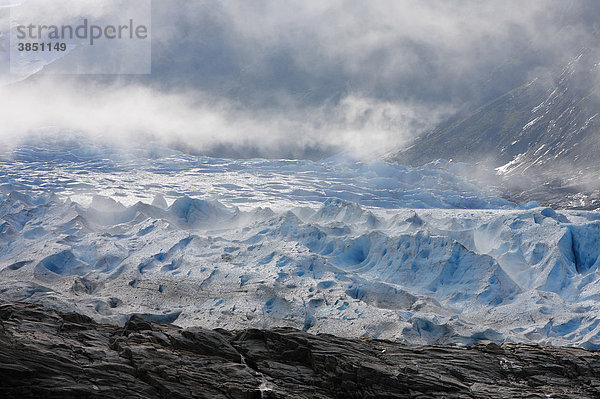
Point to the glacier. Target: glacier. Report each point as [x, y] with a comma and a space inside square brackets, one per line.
[354, 248]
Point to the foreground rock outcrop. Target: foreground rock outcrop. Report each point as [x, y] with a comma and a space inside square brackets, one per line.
[44, 353]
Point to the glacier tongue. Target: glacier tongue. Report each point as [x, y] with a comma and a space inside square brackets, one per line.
[78, 168]
[354, 249]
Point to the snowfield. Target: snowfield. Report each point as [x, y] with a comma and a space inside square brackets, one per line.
[416, 255]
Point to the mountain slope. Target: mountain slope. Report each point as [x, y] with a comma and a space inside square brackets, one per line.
[543, 138]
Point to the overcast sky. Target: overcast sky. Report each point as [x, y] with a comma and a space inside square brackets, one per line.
[311, 78]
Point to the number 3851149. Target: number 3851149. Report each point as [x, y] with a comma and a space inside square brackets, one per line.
[42, 47]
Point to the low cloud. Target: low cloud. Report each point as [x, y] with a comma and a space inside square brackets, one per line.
[130, 114]
[308, 78]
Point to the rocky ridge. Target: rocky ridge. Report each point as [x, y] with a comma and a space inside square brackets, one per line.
[45, 353]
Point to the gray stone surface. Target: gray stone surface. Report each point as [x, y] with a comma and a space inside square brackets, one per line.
[44, 353]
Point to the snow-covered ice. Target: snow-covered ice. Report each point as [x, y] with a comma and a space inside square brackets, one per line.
[351, 248]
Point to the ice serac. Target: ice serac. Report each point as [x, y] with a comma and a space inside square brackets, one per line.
[418, 276]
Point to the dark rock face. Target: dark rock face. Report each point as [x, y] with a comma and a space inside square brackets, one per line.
[48, 354]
